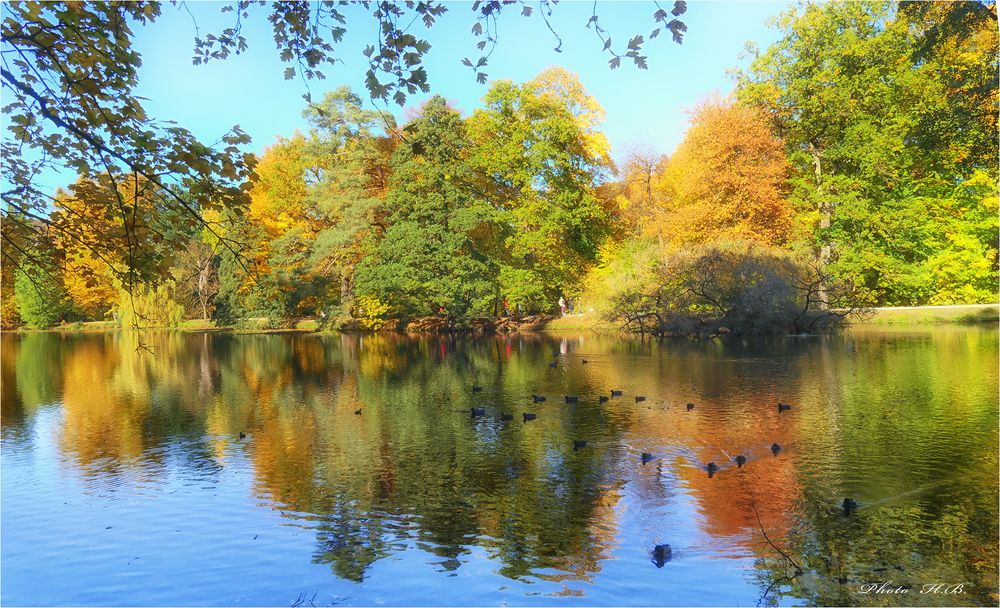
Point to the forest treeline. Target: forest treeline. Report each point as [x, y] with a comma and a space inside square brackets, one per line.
[855, 165]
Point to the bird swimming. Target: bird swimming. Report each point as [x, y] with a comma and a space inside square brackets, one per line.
[661, 555]
[783, 407]
[579, 444]
[477, 411]
[646, 457]
[553, 364]
[849, 505]
[571, 399]
[357, 412]
[740, 460]
[639, 398]
[538, 398]
[584, 361]
[527, 416]
[615, 393]
[690, 406]
[243, 435]
[775, 448]
[603, 398]
[477, 389]
[712, 468]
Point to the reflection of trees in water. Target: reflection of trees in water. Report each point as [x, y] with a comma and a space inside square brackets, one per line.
[520, 490]
[30, 365]
[875, 416]
[914, 420]
[348, 540]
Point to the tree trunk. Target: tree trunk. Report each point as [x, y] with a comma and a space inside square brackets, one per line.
[345, 293]
[825, 216]
[203, 289]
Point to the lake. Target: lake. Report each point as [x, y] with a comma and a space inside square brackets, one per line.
[125, 480]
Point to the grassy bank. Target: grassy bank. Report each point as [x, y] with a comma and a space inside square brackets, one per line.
[931, 315]
[580, 322]
[903, 315]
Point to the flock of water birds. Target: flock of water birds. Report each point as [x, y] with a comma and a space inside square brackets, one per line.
[712, 468]
[578, 444]
[661, 553]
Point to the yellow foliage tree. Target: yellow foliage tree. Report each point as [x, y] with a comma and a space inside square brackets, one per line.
[725, 181]
[90, 231]
[278, 200]
[89, 285]
[565, 87]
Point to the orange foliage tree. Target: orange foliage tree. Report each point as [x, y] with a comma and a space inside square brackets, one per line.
[725, 181]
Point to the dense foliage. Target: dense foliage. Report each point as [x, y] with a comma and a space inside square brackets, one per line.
[70, 71]
[40, 295]
[855, 165]
[360, 220]
[889, 116]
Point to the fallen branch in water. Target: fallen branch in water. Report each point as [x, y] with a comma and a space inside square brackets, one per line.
[302, 600]
[781, 579]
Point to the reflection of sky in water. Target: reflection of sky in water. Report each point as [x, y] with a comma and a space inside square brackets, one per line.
[124, 480]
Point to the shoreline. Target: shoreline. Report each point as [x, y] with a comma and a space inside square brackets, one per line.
[951, 314]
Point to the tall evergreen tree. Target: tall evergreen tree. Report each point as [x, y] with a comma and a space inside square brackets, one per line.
[430, 258]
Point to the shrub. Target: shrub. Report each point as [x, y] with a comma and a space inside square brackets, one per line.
[370, 312]
[729, 287]
[149, 306]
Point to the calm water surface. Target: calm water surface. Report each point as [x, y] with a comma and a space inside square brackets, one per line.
[125, 480]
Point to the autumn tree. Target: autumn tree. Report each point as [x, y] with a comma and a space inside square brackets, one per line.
[726, 180]
[888, 114]
[91, 252]
[540, 156]
[640, 198]
[70, 74]
[9, 316]
[90, 286]
[282, 223]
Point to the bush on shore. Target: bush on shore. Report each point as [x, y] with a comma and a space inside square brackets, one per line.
[721, 287]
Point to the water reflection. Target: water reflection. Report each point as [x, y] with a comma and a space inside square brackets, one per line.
[904, 423]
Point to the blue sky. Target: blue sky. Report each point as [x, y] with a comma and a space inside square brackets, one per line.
[643, 107]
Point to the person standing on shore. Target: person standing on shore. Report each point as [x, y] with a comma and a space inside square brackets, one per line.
[562, 306]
